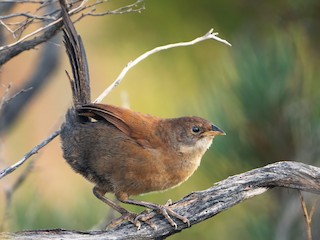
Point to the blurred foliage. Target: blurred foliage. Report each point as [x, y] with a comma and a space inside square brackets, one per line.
[263, 91]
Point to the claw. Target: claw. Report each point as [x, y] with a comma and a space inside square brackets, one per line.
[145, 217]
[165, 211]
[168, 203]
[168, 211]
[128, 216]
[135, 219]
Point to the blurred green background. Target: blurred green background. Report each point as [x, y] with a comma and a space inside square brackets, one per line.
[263, 92]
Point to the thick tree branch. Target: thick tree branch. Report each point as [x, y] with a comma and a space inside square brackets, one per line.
[201, 205]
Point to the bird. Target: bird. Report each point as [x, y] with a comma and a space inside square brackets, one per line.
[126, 152]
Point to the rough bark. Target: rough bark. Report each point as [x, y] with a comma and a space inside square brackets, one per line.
[201, 205]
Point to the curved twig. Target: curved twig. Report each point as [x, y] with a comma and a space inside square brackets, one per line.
[207, 36]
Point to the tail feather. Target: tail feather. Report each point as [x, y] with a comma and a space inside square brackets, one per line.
[80, 84]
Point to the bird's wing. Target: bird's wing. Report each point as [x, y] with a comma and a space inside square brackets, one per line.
[135, 125]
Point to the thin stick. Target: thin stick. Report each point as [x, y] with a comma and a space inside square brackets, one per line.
[208, 35]
[306, 216]
[314, 206]
[33, 151]
[9, 29]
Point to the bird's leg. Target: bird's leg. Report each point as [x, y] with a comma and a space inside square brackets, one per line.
[125, 214]
[165, 210]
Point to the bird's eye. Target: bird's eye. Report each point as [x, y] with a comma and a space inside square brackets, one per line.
[195, 129]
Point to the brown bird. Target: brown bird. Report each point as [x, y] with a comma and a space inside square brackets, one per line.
[125, 152]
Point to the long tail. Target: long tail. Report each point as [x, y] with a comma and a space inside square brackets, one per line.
[80, 84]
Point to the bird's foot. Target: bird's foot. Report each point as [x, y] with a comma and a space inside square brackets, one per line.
[164, 210]
[133, 218]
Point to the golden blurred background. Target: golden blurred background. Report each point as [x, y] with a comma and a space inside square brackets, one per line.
[262, 91]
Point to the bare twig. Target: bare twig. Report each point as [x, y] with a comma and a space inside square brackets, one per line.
[207, 36]
[8, 28]
[5, 99]
[27, 15]
[5, 95]
[42, 28]
[33, 151]
[313, 208]
[121, 10]
[308, 216]
[53, 16]
[7, 53]
[51, 23]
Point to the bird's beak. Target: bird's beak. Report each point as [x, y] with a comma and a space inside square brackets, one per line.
[215, 131]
